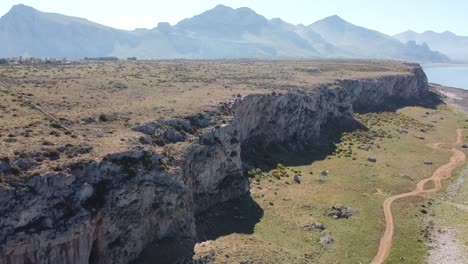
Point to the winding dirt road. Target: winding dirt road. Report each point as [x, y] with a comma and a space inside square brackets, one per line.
[441, 173]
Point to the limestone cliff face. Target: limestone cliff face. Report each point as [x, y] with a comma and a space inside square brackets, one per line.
[108, 211]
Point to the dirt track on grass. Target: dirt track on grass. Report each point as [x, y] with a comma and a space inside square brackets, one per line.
[441, 173]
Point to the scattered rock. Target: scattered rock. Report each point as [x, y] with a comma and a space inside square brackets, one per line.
[171, 130]
[200, 120]
[340, 211]
[315, 227]
[25, 164]
[169, 135]
[52, 154]
[74, 150]
[147, 128]
[5, 166]
[322, 180]
[327, 240]
[297, 179]
[145, 140]
[88, 120]
[406, 176]
[365, 147]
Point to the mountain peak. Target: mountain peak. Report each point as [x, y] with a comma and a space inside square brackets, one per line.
[448, 33]
[222, 7]
[445, 33]
[20, 11]
[409, 31]
[334, 21]
[223, 19]
[335, 18]
[20, 8]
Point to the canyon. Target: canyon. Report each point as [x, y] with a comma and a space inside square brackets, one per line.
[109, 208]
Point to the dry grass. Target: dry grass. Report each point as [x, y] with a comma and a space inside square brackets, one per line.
[129, 93]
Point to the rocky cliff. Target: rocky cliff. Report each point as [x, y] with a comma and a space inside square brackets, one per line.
[109, 210]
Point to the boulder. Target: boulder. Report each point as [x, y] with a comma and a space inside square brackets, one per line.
[25, 164]
[315, 227]
[200, 120]
[145, 140]
[340, 211]
[170, 135]
[5, 165]
[297, 179]
[322, 180]
[372, 159]
[428, 162]
[147, 128]
[324, 173]
[365, 147]
[327, 240]
[406, 176]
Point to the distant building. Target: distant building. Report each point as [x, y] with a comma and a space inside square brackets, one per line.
[101, 59]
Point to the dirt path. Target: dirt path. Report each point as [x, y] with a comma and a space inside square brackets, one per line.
[441, 173]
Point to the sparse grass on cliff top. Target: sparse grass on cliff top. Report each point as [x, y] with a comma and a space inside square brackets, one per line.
[101, 102]
[352, 181]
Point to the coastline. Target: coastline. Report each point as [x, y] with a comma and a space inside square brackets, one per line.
[447, 75]
[447, 65]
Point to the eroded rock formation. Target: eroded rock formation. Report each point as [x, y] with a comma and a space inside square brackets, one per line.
[108, 211]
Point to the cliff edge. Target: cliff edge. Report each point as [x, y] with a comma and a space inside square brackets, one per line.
[108, 210]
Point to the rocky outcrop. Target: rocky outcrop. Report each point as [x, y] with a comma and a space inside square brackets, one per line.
[108, 211]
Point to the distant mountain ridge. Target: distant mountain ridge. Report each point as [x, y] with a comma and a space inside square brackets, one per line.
[455, 47]
[219, 33]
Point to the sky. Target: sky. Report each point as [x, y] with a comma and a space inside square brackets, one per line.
[388, 16]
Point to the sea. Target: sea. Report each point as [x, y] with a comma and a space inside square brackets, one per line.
[452, 76]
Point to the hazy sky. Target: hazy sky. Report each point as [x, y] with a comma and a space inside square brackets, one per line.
[388, 16]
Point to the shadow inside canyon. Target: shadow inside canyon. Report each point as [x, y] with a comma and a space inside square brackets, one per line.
[255, 154]
[236, 216]
[168, 251]
[241, 215]
[431, 100]
[292, 153]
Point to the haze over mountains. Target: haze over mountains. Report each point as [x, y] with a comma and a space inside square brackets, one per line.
[219, 33]
[456, 47]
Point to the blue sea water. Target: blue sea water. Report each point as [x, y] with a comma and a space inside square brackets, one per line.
[453, 76]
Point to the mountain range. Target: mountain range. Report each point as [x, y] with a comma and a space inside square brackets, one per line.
[219, 33]
[455, 47]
